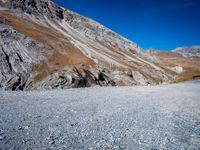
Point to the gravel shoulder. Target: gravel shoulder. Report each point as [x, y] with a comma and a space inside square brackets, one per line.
[156, 117]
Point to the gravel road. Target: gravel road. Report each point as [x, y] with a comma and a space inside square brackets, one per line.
[157, 117]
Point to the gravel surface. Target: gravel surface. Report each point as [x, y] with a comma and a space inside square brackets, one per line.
[157, 117]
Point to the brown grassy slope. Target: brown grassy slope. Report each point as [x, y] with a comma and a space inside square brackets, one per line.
[191, 65]
[63, 52]
[64, 55]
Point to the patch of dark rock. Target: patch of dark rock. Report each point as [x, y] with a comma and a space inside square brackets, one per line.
[74, 124]
[90, 78]
[73, 80]
[31, 43]
[59, 13]
[20, 58]
[62, 77]
[104, 80]
[16, 85]
[4, 21]
[5, 33]
[31, 3]
[105, 70]
[63, 81]
[81, 83]
[130, 74]
[197, 77]
[18, 4]
[7, 59]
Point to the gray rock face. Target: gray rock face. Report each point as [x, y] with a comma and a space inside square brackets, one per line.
[75, 80]
[17, 52]
[90, 28]
[193, 51]
[65, 38]
[35, 7]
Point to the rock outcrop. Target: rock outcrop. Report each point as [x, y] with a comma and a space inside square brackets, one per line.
[44, 46]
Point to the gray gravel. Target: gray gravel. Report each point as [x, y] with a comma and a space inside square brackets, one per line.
[157, 117]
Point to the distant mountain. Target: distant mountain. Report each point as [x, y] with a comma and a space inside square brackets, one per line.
[44, 46]
[182, 61]
[193, 51]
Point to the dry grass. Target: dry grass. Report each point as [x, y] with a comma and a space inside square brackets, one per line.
[120, 83]
[191, 66]
[63, 52]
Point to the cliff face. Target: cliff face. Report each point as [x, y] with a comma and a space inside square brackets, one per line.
[44, 46]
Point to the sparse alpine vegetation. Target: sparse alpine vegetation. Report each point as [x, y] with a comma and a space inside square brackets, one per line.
[44, 46]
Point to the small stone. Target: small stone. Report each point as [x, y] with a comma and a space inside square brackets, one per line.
[1, 137]
[52, 142]
[74, 124]
[1, 132]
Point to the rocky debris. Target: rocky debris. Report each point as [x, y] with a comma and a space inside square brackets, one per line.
[2, 135]
[177, 69]
[157, 117]
[192, 51]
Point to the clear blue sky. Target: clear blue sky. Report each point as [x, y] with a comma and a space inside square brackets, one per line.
[160, 24]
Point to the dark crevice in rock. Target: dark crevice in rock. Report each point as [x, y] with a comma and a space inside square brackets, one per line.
[88, 79]
[7, 59]
[81, 82]
[59, 13]
[16, 84]
[20, 58]
[20, 84]
[104, 80]
[73, 80]
[9, 80]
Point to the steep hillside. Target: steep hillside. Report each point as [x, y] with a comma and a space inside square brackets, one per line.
[192, 51]
[186, 68]
[44, 46]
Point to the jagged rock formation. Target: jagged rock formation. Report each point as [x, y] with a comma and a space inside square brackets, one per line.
[44, 46]
[192, 51]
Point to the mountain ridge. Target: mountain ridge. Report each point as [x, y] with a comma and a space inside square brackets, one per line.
[65, 49]
[188, 51]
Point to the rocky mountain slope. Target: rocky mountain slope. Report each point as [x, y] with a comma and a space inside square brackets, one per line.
[44, 46]
[184, 61]
[193, 51]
